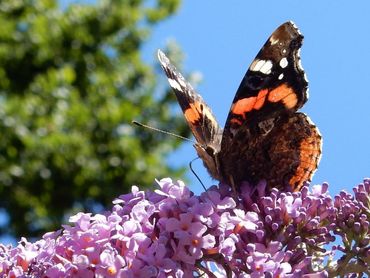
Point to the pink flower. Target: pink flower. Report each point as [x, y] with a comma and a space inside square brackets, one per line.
[173, 233]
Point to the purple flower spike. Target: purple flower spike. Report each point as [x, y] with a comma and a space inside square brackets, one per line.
[173, 233]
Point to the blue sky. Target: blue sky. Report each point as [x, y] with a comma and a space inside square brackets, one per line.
[220, 40]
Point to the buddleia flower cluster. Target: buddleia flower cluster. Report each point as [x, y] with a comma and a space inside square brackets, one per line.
[171, 232]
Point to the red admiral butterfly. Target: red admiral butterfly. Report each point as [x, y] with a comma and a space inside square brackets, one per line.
[264, 137]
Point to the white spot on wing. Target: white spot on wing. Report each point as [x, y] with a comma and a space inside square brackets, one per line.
[181, 82]
[174, 84]
[299, 53]
[283, 63]
[256, 65]
[266, 67]
[295, 27]
[305, 77]
[300, 64]
[281, 76]
[263, 66]
[274, 40]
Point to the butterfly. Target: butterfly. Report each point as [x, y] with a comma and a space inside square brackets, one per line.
[264, 137]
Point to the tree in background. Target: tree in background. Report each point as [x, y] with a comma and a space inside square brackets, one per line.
[71, 82]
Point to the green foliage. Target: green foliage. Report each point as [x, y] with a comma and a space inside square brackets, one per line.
[71, 82]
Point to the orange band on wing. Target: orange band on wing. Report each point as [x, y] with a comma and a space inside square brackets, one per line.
[248, 104]
[243, 105]
[285, 94]
[198, 111]
[193, 114]
[261, 97]
[309, 159]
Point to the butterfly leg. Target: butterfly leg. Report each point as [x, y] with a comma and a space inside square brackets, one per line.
[233, 186]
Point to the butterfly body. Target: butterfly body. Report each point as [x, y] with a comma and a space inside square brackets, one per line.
[264, 136]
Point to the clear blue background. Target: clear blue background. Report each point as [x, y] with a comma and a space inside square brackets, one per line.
[221, 39]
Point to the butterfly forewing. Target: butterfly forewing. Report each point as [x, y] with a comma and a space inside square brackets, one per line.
[274, 83]
[198, 115]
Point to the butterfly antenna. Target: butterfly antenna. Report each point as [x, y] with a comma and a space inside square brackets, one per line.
[162, 131]
[177, 136]
[195, 174]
